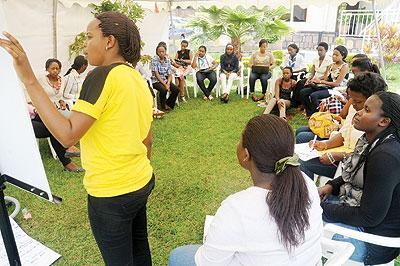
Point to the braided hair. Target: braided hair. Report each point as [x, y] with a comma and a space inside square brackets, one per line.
[125, 32]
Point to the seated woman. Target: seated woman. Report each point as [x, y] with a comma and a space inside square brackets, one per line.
[73, 80]
[261, 64]
[361, 65]
[229, 71]
[205, 66]
[41, 131]
[54, 86]
[368, 192]
[294, 60]
[161, 78]
[283, 90]
[360, 88]
[277, 219]
[304, 134]
[334, 76]
[183, 59]
[318, 69]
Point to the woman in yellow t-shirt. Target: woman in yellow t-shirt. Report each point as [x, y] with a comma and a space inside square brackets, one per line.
[112, 119]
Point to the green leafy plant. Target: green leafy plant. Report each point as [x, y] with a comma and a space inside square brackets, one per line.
[128, 7]
[340, 41]
[239, 24]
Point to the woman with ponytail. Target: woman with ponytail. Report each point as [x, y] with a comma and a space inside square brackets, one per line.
[277, 221]
[366, 197]
[72, 79]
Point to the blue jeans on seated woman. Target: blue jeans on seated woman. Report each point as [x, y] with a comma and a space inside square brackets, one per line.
[263, 79]
[304, 135]
[360, 251]
[183, 256]
[314, 166]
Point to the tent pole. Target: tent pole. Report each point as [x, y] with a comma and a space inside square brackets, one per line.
[382, 62]
[291, 11]
[54, 20]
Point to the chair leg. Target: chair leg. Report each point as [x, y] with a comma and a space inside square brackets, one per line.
[53, 152]
[187, 90]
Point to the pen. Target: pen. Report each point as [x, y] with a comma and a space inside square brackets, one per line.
[313, 143]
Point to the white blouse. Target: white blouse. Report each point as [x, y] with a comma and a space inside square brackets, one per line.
[244, 233]
[320, 69]
[72, 85]
[296, 63]
[54, 94]
[349, 134]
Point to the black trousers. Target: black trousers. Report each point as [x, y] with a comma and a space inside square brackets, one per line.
[174, 91]
[41, 131]
[311, 97]
[119, 226]
[211, 76]
[296, 99]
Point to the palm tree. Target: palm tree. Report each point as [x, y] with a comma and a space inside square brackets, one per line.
[239, 24]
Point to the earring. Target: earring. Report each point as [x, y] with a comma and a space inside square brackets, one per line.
[106, 48]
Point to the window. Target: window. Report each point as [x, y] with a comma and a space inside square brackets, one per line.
[299, 14]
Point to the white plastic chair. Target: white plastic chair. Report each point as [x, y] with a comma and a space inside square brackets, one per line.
[218, 89]
[276, 72]
[53, 152]
[336, 252]
[394, 242]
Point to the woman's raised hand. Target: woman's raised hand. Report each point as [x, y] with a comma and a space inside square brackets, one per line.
[21, 62]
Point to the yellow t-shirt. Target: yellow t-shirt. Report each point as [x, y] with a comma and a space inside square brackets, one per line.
[112, 150]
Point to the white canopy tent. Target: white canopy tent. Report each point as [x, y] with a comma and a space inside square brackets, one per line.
[47, 27]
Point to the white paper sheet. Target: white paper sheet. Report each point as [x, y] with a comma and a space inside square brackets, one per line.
[304, 152]
[31, 252]
[19, 156]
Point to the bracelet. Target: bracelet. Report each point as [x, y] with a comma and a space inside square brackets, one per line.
[330, 157]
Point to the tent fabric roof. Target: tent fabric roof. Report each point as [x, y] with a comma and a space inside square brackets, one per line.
[221, 3]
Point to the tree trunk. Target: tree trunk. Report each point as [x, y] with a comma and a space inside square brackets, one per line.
[236, 45]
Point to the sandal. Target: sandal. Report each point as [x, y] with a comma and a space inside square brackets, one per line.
[72, 154]
[254, 98]
[226, 99]
[76, 170]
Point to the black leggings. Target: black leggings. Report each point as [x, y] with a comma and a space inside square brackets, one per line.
[174, 91]
[41, 131]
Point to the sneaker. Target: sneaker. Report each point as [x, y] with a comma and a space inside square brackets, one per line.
[210, 98]
[205, 98]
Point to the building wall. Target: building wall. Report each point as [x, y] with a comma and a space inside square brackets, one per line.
[319, 18]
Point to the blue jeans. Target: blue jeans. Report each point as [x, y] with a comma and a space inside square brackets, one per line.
[263, 79]
[314, 166]
[183, 256]
[360, 251]
[304, 135]
[316, 97]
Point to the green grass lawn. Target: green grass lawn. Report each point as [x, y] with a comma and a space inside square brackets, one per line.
[194, 159]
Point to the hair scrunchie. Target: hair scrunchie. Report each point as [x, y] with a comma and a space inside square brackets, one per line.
[282, 164]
